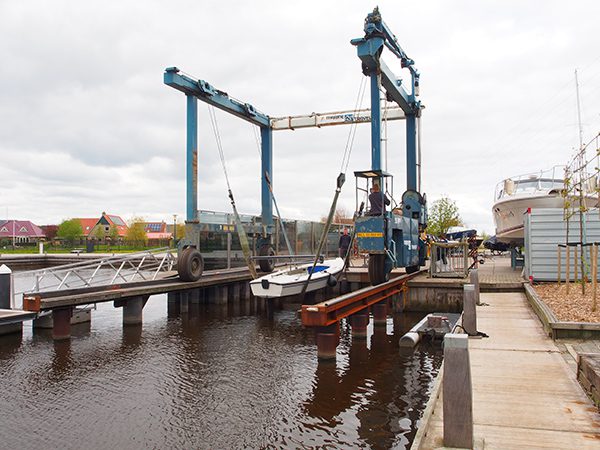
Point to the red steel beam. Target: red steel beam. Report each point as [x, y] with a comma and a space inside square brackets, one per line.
[331, 311]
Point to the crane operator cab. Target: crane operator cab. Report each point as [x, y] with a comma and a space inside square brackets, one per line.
[385, 230]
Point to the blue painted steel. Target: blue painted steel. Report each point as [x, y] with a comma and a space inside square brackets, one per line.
[369, 234]
[266, 135]
[219, 99]
[411, 152]
[375, 124]
[192, 159]
[398, 234]
[200, 89]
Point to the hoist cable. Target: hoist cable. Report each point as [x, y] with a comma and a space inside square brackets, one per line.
[243, 237]
[269, 185]
[339, 183]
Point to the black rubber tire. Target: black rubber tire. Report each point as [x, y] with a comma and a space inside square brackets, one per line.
[411, 269]
[190, 265]
[266, 265]
[377, 273]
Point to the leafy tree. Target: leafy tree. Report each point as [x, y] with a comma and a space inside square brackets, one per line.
[113, 233]
[443, 214]
[136, 234]
[69, 230]
[341, 215]
[99, 232]
[180, 228]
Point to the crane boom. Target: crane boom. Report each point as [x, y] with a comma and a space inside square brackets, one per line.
[333, 118]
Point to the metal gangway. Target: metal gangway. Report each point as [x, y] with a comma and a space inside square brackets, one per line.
[148, 265]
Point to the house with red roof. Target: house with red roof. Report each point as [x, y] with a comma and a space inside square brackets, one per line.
[94, 228]
[20, 231]
[87, 225]
[157, 233]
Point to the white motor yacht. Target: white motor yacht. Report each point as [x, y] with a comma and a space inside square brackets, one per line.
[515, 195]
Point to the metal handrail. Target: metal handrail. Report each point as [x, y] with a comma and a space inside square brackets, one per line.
[127, 268]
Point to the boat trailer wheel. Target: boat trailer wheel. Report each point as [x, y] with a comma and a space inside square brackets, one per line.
[190, 264]
[266, 265]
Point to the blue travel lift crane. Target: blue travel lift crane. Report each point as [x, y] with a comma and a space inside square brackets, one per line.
[189, 261]
[392, 240]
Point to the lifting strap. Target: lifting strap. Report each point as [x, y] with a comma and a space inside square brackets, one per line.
[339, 183]
[243, 237]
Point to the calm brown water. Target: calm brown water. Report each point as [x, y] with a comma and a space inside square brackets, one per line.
[229, 377]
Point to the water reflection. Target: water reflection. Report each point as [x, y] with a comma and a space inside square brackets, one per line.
[233, 375]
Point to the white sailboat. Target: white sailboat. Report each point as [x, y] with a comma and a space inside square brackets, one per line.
[292, 280]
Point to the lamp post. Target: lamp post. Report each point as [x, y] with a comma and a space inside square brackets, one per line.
[174, 230]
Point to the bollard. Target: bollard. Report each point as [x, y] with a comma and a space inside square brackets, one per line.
[469, 320]
[457, 392]
[474, 278]
[132, 311]
[5, 286]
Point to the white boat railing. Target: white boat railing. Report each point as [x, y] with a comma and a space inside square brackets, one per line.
[531, 183]
[127, 268]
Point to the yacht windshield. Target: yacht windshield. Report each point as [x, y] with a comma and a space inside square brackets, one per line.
[533, 185]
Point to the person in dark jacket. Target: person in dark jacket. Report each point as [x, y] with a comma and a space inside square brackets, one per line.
[344, 243]
[377, 200]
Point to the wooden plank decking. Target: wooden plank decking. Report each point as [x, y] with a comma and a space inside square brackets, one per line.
[524, 393]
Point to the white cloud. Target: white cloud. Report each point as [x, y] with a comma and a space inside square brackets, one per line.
[87, 125]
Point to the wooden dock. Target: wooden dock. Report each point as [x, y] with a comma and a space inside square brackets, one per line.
[525, 395]
[98, 294]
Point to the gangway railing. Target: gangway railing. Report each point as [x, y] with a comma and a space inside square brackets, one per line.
[449, 259]
[121, 269]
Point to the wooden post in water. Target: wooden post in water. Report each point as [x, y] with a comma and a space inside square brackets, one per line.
[558, 268]
[568, 274]
[594, 275]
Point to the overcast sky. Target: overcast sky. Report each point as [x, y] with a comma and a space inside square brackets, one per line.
[87, 125]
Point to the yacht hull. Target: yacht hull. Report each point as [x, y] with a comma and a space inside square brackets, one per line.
[509, 214]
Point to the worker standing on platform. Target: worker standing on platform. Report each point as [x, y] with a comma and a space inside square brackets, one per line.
[344, 243]
[377, 200]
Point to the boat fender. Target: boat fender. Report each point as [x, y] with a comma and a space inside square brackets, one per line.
[264, 284]
[331, 281]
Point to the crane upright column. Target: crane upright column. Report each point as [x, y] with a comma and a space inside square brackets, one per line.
[411, 152]
[266, 137]
[375, 123]
[192, 159]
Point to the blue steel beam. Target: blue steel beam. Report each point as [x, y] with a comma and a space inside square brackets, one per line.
[266, 138]
[191, 168]
[201, 90]
[369, 49]
[219, 99]
[375, 124]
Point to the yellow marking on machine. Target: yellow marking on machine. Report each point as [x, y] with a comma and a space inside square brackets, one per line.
[369, 235]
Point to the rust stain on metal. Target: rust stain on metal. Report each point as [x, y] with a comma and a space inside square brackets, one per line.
[331, 311]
